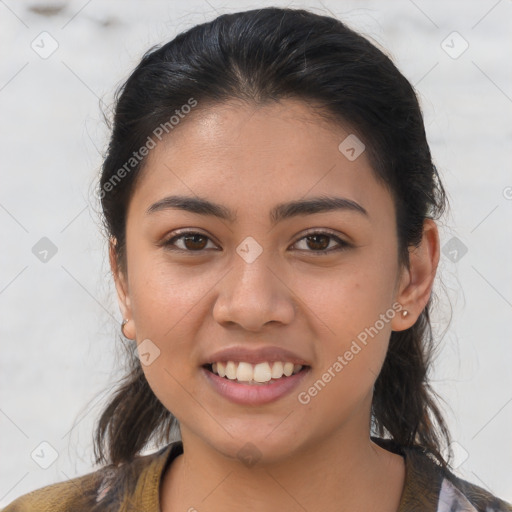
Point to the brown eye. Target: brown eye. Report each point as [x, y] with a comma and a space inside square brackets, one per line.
[194, 242]
[190, 242]
[320, 243]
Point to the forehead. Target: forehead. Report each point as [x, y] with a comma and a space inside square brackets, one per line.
[252, 157]
[237, 129]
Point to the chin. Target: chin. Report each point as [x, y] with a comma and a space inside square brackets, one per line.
[256, 449]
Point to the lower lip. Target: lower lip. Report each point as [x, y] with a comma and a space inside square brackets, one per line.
[254, 394]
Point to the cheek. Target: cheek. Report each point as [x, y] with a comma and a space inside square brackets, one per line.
[165, 297]
[352, 313]
[348, 368]
[347, 301]
[174, 388]
[166, 308]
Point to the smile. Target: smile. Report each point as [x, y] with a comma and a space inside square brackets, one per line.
[248, 384]
[254, 373]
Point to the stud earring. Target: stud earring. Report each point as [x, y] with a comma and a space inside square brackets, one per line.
[405, 313]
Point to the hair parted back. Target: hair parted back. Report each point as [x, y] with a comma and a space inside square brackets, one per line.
[261, 56]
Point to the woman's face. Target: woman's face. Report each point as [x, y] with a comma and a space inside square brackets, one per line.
[253, 282]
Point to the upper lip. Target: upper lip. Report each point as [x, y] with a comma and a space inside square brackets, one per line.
[255, 355]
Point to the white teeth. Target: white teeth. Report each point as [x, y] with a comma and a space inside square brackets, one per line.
[260, 373]
[277, 370]
[231, 370]
[244, 372]
[288, 369]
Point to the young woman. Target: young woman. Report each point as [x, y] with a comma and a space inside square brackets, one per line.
[270, 201]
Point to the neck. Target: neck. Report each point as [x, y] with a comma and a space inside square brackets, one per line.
[338, 473]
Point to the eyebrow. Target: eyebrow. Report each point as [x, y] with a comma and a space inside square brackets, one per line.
[279, 213]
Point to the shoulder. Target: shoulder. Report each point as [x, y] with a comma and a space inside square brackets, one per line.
[58, 497]
[430, 487]
[456, 492]
[109, 484]
[448, 492]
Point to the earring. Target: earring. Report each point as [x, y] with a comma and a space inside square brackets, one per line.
[405, 313]
[123, 323]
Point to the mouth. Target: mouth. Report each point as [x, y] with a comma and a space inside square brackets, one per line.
[239, 382]
[261, 374]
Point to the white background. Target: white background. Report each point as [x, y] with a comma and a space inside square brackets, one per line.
[59, 330]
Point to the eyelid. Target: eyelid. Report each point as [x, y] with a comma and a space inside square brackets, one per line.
[320, 231]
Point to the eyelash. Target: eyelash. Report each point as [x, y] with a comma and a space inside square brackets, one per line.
[342, 245]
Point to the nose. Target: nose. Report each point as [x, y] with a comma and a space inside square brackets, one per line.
[252, 295]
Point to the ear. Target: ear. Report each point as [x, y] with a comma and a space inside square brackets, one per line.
[416, 282]
[123, 295]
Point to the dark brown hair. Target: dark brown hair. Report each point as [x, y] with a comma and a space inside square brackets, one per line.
[263, 56]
